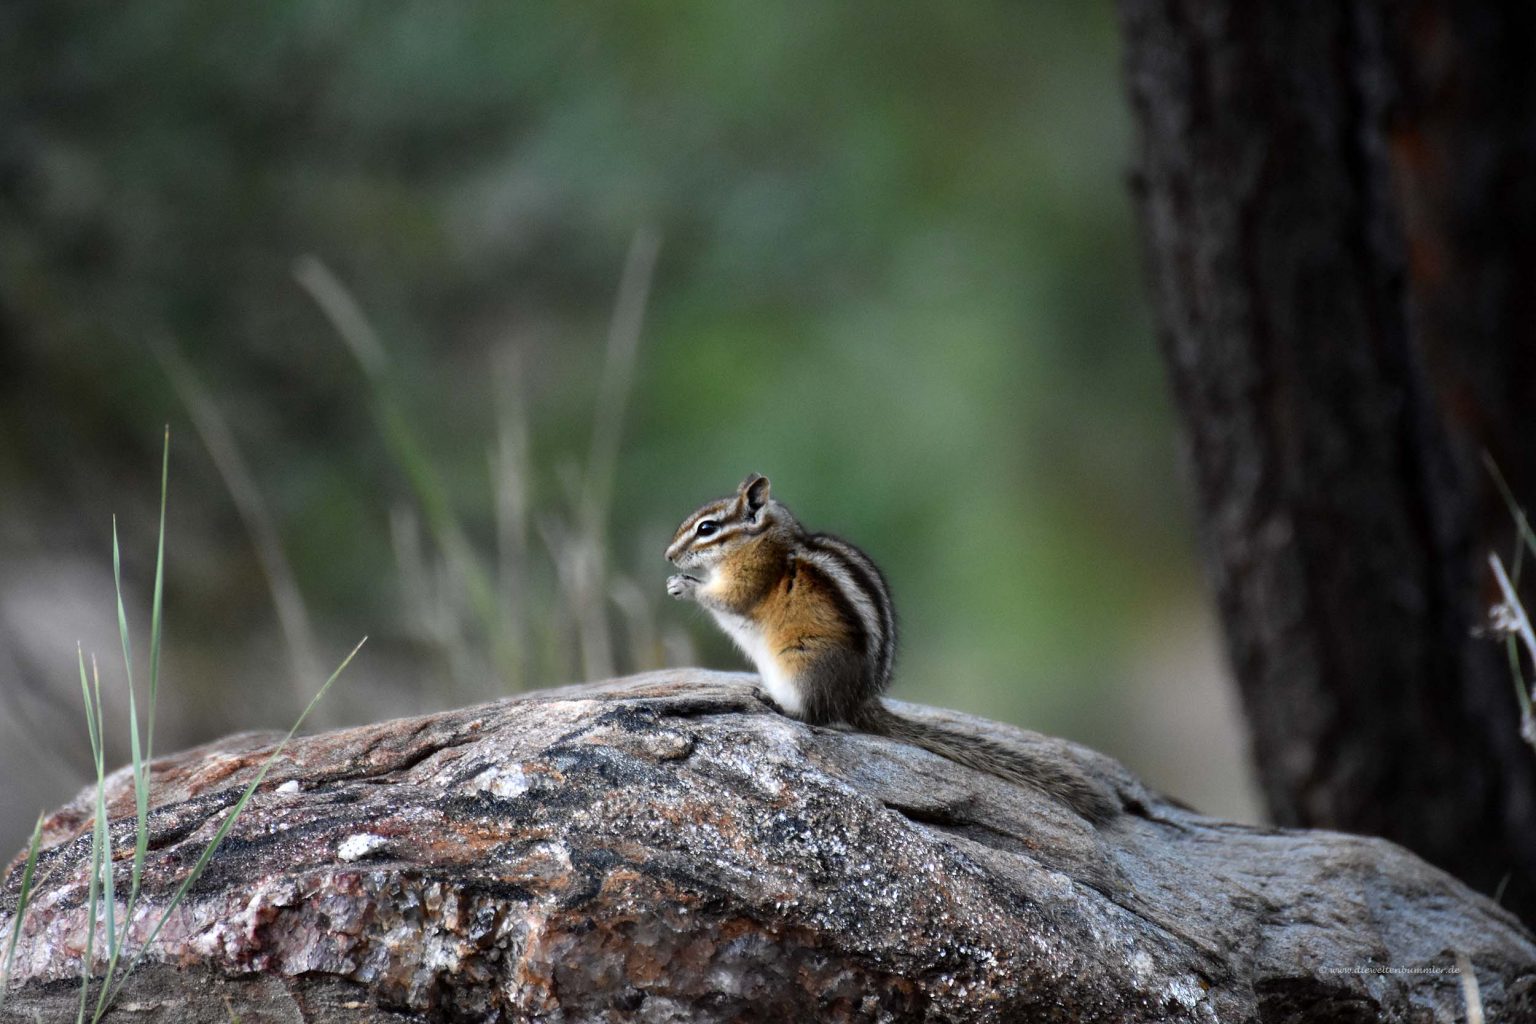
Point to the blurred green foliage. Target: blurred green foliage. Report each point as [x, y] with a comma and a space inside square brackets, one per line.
[897, 274]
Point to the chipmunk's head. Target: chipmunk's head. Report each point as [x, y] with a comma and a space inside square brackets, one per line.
[720, 527]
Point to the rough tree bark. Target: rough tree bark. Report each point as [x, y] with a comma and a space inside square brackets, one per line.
[1339, 208]
[667, 848]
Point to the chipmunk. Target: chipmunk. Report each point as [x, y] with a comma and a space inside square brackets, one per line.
[814, 614]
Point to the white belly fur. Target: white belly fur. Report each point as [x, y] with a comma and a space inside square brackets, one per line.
[755, 646]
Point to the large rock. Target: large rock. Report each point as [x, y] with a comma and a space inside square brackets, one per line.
[668, 848]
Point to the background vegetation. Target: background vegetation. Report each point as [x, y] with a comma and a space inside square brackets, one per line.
[366, 259]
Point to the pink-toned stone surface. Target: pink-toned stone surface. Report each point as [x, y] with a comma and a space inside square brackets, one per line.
[667, 848]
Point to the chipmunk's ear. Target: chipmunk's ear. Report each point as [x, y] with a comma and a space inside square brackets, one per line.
[754, 492]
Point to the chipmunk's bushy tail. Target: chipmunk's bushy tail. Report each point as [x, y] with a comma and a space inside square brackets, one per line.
[1068, 783]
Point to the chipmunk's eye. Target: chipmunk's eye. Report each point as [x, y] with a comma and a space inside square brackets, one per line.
[706, 527]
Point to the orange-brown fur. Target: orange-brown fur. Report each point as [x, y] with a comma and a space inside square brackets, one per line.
[814, 614]
[749, 573]
[801, 621]
[787, 599]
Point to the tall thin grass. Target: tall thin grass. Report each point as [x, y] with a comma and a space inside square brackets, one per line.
[500, 604]
[101, 894]
[1509, 617]
[229, 462]
[28, 870]
[462, 596]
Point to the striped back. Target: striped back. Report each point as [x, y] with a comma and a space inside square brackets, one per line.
[863, 584]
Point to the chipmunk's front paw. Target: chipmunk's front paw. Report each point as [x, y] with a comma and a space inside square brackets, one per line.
[682, 587]
[762, 694]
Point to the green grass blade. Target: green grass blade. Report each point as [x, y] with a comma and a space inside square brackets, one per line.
[618, 376]
[140, 768]
[1521, 624]
[22, 900]
[85, 693]
[353, 328]
[436, 508]
[142, 759]
[122, 614]
[1522, 524]
[1516, 673]
[140, 846]
[1520, 629]
[154, 615]
[103, 824]
[1517, 564]
[92, 896]
[229, 821]
[140, 800]
[133, 731]
[140, 756]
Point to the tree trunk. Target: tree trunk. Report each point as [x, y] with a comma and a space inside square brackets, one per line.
[1339, 208]
[667, 848]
